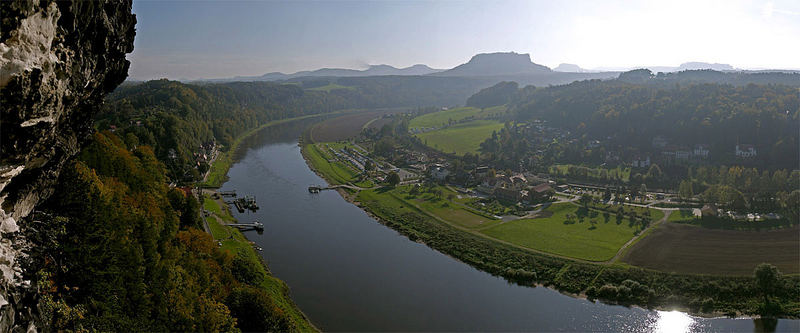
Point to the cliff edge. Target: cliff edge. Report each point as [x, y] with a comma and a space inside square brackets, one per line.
[57, 61]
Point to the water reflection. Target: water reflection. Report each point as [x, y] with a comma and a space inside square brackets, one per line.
[673, 321]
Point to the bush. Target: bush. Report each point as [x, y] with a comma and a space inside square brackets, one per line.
[256, 312]
[247, 270]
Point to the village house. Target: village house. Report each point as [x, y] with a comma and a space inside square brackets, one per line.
[507, 194]
[682, 153]
[701, 150]
[659, 142]
[612, 156]
[542, 191]
[746, 151]
[641, 162]
[439, 172]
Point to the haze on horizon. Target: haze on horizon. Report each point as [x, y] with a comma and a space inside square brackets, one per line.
[193, 40]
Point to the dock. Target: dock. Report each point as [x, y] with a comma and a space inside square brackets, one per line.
[227, 193]
[248, 202]
[247, 226]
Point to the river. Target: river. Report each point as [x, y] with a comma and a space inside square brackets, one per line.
[348, 272]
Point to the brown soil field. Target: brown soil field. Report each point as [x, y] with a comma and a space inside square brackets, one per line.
[378, 123]
[691, 249]
[344, 127]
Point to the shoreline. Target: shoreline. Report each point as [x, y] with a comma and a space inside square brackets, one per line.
[737, 314]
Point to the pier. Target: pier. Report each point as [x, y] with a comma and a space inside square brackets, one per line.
[247, 226]
[248, 202]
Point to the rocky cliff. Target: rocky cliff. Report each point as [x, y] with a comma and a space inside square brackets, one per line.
[57, 61]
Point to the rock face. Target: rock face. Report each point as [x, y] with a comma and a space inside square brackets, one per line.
[57, 61]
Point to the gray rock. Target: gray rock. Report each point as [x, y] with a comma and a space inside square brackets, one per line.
[57, 61]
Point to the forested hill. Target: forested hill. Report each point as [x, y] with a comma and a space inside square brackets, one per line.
[686, 114]
[176, 119]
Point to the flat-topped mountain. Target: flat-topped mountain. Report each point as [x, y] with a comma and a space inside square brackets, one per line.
[497, 64]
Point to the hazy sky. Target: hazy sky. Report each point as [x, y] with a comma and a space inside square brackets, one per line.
[209, 39]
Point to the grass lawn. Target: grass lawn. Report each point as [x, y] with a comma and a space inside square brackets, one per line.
[399, 200]
[213, 206]
[335, 172]
[461, 138]
[596, 173]
[680, 215]
[446, 209]
[576, 240]
[441, 118]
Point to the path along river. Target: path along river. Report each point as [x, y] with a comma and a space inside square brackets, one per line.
[348, 272]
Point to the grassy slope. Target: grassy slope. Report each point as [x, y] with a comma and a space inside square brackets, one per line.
[334, 172]
[440, 118]
[576, 240]
[236, 242]
[444, 208]
[461, 138]
[680, 215]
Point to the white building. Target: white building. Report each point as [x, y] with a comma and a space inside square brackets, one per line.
[701, 150]
[438, 172]
[641, 162]
[746, 151]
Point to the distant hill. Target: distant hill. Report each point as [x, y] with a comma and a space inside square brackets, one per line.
[691, 66]
[373, 70]
[705, 65]
[572, 68]
[497, 64]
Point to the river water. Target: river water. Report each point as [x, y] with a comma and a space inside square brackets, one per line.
[348, 272]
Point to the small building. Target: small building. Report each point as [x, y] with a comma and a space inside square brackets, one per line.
[439, 172]
[659, 142]
[701, 150]
[641, 162]
[507, 194]
[682, 154]
[746, 151]
[542, 191]
[709, 210]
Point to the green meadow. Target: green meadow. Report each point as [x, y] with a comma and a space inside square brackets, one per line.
[580, 240]
[461, 138]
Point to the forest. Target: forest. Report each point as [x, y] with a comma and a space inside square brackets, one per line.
[175, 119]
[124, 252]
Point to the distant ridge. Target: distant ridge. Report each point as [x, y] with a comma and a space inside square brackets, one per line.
[497, 64]
[373, 70]
[571, 68]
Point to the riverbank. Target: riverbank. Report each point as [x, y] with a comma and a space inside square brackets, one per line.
[218, 170]
[613, 283]
[233, 240]
[241, 248]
